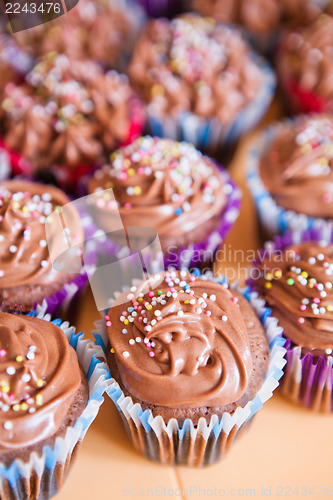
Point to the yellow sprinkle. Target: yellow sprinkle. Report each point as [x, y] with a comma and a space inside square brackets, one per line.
[268, 285]
[149, 307]
[137, 190]
[278, 273]
[130, 172]
[269, 276]
[39, 400]
[25, 209]
[16, 407]
[40, 382]
[329, 308]
[24, 407]
[304, 274]
[112, 350]
[186, 301]
[126, 321]
[19, 358]
[140, 299]
[157, 90]
[16, 204]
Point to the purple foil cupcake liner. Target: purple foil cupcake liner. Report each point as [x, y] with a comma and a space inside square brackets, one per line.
[210, 135]
[308, 378]
[274, 219]
[162, 8]
[207, 442]
[41, 476]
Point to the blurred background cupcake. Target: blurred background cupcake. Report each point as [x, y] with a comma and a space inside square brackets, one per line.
[186, 197]
[27, 274]
[290, 175]
[103, 30]
[304, 66]
[162, 8]
[60, 122]
[262, 19]
[295, 279]
[200, 81]
[51, 390]
[195, 389]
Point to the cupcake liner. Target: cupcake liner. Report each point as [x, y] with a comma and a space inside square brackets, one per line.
[308, 378]
[43, 476]
[207, 442]
[273, 218]
[162, 8]
[200, 254]
[210, 135]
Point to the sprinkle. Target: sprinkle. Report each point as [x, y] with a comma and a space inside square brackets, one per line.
[11, 370]
[151, 354]
[3, 353]
[212, 298]
[112, 350]
[180, 313]
[138, 339]
[224, 318]
[157, 313]
[234, 300]
[13, 249]
[126, 354]
[131, 341]
[301, 320]
[290, 282]
[40, 382]
[8, 426]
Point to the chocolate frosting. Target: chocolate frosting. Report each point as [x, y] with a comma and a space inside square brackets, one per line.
[25, 208]
[261, 16]
[97, 29]
[39, 375]
[184, 344]
[296, 169]
[298, 288]
[192, 64]
[159, 183]
[307, 55]
[68, 112]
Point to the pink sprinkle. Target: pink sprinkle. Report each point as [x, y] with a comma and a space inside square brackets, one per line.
[123, 176]
[127, 206]
[107, 318]
[11, 396]
[3, 353]
[108, 323]
[235, 300]
[327, 198]
[208, 313]
[192, 278]
[172, 289]
[316, 300]
[303, 307]
[151, 354]
[301, 320]
[148, 344]
[140, 319]
[141, 170]
[151, 294]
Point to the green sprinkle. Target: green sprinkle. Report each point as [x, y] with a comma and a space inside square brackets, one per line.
[290, 281]
[159, 292]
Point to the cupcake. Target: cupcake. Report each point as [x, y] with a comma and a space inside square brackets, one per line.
[27, 274]
[304, 66]
[162, 8]
[191, 358]
[200, 81]
[261, 17]
[169, 186]
[295, 279]
[51, 389]
[66, 115]
[103, 30]
[290, 175]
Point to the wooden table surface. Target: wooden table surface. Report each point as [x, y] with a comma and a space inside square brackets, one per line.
[286, 452]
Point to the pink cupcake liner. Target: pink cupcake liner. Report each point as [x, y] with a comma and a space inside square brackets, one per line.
[308, 378]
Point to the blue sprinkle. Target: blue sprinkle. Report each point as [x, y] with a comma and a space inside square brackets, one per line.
[178, 211]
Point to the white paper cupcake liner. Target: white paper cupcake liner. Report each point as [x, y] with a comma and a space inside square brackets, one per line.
[42, 476]
[207, 442]
[274, 219]
[211, 135]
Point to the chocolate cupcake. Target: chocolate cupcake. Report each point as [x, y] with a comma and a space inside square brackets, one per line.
[186, 352]
[102, 30]
[200, 81]
[304, 66]
[290, 175]
[295, 279]
[66, 115]
[173, 188]
[47, 402]
[27, 275]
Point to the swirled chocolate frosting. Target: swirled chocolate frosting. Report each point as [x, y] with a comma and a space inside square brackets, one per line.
[183, 344]
[68, 112]
[307, 55]
[261, 16]
[193, 64]
[25, 208]
[297, 166]
[297, 285]
[100, 29]
[39, 375]
[159, 183]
